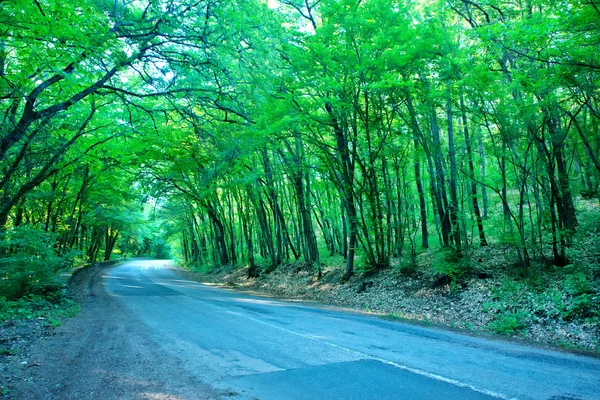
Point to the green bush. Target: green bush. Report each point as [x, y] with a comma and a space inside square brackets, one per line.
[583, 301]
[508, 323]
[552, 303]
[578, 283]
[510, 308]
[453, 268]
[49, 309]
[28, 262]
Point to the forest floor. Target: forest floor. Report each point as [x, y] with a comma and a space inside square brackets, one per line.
[488, 299]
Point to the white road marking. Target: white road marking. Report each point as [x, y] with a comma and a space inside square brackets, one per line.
[355, 352]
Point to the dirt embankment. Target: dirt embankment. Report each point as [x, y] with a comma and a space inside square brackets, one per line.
[481, 303]
[102, 353]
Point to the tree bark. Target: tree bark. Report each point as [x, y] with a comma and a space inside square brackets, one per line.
[477, 211]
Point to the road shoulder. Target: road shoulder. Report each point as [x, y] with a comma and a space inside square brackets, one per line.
[102, 353]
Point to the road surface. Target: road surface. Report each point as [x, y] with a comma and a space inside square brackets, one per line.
[257, 348]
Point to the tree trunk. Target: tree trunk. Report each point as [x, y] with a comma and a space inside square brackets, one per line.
[482, 240]
[442, 199]
[422, 207]
[453, 209]
[347, 189]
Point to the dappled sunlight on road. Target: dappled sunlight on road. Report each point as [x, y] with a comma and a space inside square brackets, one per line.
[259, 301]
[180, 283]
[159, 396]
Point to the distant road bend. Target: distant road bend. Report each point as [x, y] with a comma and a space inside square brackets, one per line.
[258, 348]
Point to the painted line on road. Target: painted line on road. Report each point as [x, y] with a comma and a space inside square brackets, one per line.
[358, 353]
[370, 357]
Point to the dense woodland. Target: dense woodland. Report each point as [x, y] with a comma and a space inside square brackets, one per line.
[256, 133]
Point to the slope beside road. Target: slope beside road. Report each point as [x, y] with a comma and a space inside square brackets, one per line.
[147, 333]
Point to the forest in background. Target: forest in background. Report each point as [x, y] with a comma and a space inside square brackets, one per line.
[257, 133]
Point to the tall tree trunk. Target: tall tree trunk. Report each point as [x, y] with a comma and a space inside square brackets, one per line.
[482, 240]
[567, 208]
[272, 198]
[453, 208]
[389, 212]
[441, 197]
[244, 213]
[484, 195]
[53, 186]
[267, 249]
[219, 230]
[72, 232]
[422, 207]
[554, 198]
[109, 242]
[421, 193]
[347, 189]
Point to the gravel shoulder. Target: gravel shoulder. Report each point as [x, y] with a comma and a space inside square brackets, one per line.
[102, 353]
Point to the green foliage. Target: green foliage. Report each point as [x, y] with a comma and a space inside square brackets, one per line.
[203, 268]
[29, 263]
[448, 267]
[508, 323]
[362, 265]
[252, 133]
[5, 351]
[508, 308]
[584, 299]
[50, 310]
[584, 306]
[518, 303]
[578, 283]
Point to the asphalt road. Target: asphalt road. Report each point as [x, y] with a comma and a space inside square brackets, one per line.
[251, 347]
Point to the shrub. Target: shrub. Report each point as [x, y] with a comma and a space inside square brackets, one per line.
[454, 269]
[584, 306]
[28, 262]
[508, 323]
[510, 308]
[578, 283]
[50, 310]
[583, 300]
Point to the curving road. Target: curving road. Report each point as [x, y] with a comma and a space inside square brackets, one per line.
[251, 347]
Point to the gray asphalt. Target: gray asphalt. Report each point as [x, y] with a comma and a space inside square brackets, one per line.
[258, 348]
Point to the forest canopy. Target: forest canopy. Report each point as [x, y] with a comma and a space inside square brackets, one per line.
[256, 133]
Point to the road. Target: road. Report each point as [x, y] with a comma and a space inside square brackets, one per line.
[258, 348]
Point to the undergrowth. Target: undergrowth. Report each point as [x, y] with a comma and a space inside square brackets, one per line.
[518, 304]
[50, 310]
[29, 263]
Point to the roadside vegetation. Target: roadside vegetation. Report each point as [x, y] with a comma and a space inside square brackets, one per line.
[49, 310]
[451, 146]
